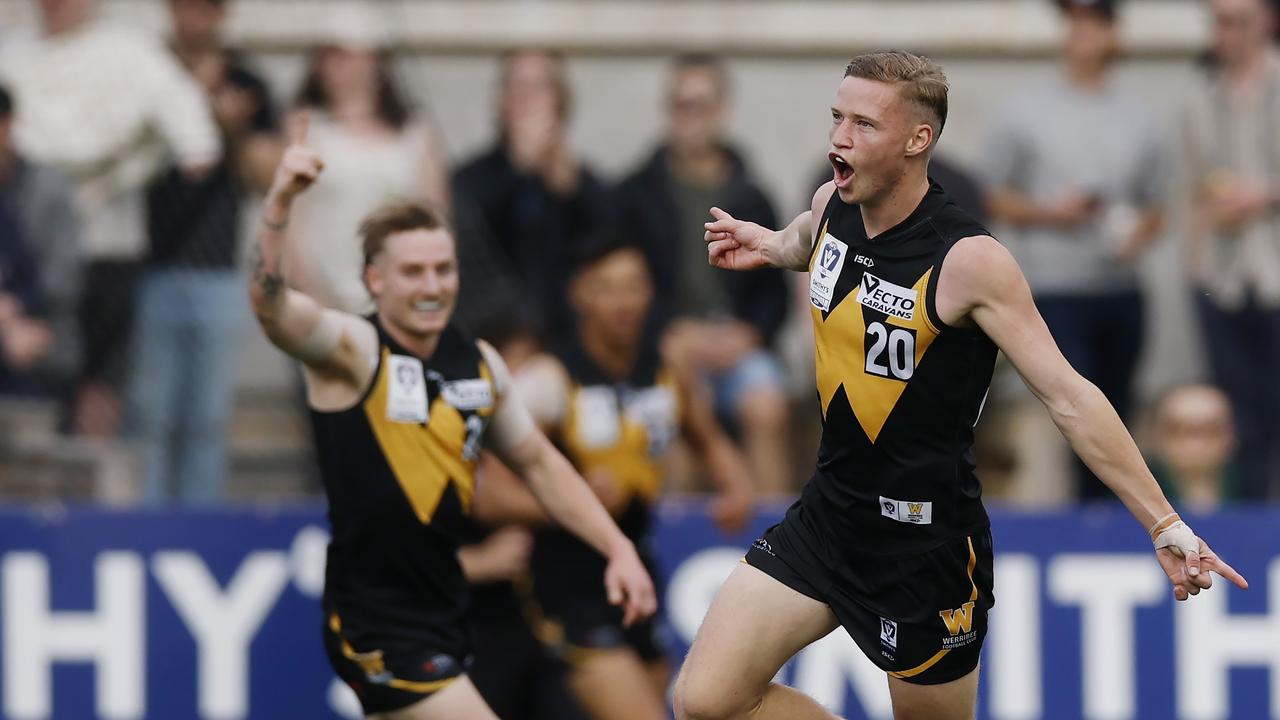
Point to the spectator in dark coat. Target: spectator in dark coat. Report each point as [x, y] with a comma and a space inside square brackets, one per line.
[527, 200]
[725, 321]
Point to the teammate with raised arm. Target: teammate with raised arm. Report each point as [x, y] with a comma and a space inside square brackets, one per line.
[402, 403]
[911, 299]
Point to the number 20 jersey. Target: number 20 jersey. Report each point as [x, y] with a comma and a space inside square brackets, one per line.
[900, 391]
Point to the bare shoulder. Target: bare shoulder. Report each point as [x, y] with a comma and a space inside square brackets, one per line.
[977, 269]
[544, 368]
[341, 379]
[822, 196]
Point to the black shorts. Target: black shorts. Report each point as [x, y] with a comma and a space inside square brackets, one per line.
[921, 617]
[570, 611]
[574, 628]
[388, 673]
[514, 673]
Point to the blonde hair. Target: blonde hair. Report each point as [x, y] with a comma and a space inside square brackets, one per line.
[919, 80]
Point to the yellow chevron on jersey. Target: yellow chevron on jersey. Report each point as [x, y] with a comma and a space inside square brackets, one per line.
[841, 356]
[425, 458]
[628, 436]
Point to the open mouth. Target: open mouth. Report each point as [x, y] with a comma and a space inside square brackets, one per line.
[843, 170]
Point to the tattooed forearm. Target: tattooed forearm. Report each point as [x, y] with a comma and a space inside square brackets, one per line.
[269, 279]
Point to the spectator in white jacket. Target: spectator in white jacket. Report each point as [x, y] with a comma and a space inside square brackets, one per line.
[110, 107]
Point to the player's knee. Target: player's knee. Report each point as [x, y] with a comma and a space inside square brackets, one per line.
[697, 700]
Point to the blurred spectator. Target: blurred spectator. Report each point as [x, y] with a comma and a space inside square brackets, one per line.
[529, 200]
[104, 104]
[725, 321]
[1232, 125]
[375, 149]
[191, 307]
[1077, 166]
[39, 272]
[1194, 440]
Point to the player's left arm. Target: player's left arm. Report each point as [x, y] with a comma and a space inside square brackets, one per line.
[565, 496]
[980, 282]
[730, 474]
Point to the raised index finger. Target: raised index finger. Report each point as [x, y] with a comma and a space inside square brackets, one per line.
[298, 126]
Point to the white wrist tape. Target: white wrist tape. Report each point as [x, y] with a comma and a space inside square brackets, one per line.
[1174, 534]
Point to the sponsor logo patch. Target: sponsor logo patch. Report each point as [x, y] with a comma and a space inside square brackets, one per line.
[826, 271]
[907, 511]
[474, 394]
[888, 298]
[889, 633]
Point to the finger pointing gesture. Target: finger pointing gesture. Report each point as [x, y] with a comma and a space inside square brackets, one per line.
[301, 166]
[734, 244]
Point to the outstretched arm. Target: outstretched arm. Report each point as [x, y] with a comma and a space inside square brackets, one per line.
[565, 496]
[981, 281]
[733, 244]
[729, 472]
[324, 340]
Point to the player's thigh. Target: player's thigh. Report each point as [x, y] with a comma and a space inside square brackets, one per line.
[615, 684]
[659, 672]
[955, 700]
[459, 699]
[754, 626]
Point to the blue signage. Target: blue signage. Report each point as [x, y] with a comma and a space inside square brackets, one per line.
[215, 614]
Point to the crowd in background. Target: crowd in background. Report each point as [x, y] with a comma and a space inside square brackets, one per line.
[122, 298]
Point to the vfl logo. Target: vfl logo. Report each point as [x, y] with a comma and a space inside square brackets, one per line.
[958, 621]
[828, 262]
[889, 633]
[830, 257]
[883, 296]
[890, 508]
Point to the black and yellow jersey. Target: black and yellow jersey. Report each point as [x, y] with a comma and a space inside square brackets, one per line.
[399, 471]
[621, 427]
[900, 391]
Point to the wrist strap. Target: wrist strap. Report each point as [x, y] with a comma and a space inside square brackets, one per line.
[1163, 524]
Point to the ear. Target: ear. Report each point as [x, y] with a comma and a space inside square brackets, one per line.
[920, 140]
[372, 280]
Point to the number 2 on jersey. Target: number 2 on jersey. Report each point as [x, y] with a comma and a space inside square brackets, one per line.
[891, 351]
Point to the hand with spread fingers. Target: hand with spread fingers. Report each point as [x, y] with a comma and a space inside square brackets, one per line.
[1187, 560]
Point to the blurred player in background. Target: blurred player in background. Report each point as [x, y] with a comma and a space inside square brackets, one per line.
[401, 403]
[614, 402]
[890, 538]
[514, 672]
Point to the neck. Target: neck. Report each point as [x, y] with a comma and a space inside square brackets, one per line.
[1246, 73]
[62, 25]
[351, 106]
[422, 346]
[1086, 75]
[1200, 490]
[191, 48]
[880, 214]
[616, 360]
[703, 166]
